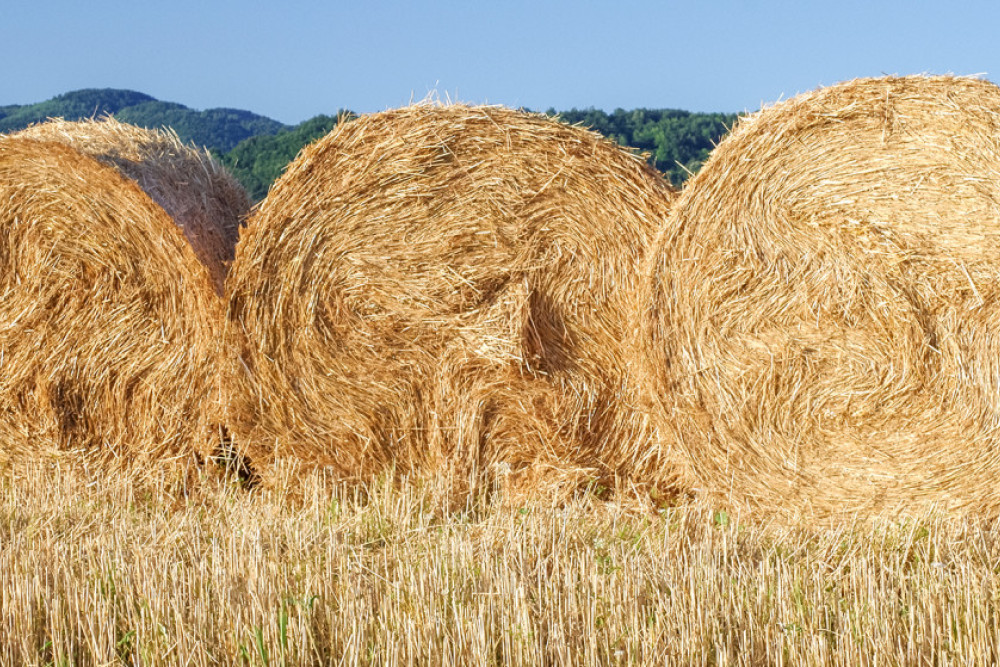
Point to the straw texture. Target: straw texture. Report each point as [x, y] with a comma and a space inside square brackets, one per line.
[108, 322]
[820, 319]
[205, 201]
[445, 287]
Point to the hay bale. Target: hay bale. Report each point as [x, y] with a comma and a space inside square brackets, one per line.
[205, 201]
[444, 286]
[822, 308]
[108, 322]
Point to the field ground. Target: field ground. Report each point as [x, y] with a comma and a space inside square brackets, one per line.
[97, 571]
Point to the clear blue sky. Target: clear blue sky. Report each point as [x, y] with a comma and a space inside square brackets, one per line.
[295, 59]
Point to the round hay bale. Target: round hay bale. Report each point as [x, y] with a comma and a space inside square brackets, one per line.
[821, 311]
[445, 286]
[108, 323]
[205, 201]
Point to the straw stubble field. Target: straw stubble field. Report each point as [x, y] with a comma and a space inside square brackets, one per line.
[164, 571]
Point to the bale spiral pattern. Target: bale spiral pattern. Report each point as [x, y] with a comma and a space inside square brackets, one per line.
[108, 322]
[821, 312]
[203, 199]
[445, 285]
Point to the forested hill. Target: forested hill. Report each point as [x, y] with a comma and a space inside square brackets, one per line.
[676, 141]
[218, 129]
[257, 148]
[259, 160]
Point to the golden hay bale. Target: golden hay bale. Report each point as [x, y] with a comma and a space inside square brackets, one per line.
[444, 286]
[205, 201]
[108, 323]
[821, 312]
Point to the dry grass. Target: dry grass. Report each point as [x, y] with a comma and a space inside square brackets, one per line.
[104, 571]
[108, 322]
[821, 309]
[205, 201]
[446, 288]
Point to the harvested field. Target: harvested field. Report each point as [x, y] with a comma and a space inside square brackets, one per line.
[205, 201]
[447, 288]
[108, 322]
[819, 329]
[313, 573]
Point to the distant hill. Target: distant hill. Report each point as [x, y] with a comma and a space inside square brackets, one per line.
[257, 149]
[676, 142]
[220, 130]
[71, 106]
[259, 160]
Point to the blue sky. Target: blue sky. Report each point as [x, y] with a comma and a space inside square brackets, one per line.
[292, 60]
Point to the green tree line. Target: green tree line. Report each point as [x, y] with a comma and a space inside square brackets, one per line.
[257, 148]
[675, 142]
[259, 160]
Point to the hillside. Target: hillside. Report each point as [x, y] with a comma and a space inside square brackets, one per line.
[218, 129]
[676, 142]
[257, 148]
[72, 106]
[259, 160]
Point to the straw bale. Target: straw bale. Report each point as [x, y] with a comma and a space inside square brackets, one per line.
[820, 313]
[445, 285]
[202, 197]
[109, 325]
